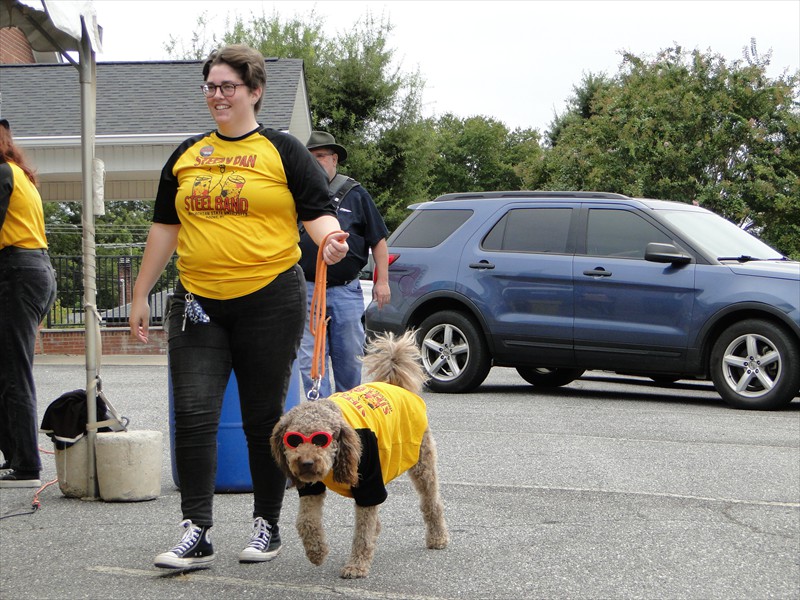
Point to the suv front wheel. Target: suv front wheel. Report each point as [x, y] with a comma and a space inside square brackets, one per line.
[454, 352]
[755, 364]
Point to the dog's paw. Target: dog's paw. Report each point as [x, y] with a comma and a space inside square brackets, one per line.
[437, 540]
[354, 571]
[316, 553]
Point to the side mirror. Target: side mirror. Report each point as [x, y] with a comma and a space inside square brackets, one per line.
[666, 253]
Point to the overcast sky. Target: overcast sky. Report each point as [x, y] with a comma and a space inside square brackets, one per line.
[514, 61]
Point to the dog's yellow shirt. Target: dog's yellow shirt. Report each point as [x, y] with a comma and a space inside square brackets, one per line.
[390, 422]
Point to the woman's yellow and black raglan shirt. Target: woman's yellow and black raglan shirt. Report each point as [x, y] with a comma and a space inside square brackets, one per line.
[238, 201]
[21, 213]
[390, 422]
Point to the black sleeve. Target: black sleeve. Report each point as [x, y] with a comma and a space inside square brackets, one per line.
[306, 178]
[6, 187]
[370, 490]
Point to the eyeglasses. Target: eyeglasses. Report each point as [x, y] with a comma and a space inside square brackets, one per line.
[319, 155]
[228, 89]
[293, 439]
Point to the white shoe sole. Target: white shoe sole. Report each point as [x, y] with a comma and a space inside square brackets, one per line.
[20, 483]
[169, 561]
[250, 556]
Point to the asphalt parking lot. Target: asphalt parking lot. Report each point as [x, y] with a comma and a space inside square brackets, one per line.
[608, 488]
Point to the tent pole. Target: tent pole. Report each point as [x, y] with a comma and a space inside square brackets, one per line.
[88, 70]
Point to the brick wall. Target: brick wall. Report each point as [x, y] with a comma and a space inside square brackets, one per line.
[14, 47]
[115, 340]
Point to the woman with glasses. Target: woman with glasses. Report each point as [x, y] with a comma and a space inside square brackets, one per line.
[228, 202]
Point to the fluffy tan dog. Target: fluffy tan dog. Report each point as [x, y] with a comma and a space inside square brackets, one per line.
[357, 441]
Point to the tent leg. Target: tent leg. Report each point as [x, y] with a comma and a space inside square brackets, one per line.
[88, 69]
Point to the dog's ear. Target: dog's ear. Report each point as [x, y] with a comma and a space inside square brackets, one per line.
[276, 443]
[345, 464]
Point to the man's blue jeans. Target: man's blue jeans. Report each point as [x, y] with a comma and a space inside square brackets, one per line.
[257, 336]
[345, 342]
[27, 291]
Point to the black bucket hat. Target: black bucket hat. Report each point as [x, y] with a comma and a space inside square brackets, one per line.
[323, 139]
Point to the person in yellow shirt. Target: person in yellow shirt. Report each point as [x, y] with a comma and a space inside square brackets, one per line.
[228, 202]
[27, 291]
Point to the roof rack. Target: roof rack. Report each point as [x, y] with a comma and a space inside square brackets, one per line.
[523, 194]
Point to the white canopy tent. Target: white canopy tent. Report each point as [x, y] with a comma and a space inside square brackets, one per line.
[66, 27]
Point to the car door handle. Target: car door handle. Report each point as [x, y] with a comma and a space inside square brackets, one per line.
[598, 272]
[484, 264]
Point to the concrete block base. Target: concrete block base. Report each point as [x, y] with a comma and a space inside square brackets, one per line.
[71, 469]
[129, 465]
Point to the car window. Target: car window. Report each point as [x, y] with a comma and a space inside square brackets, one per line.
[620, 233]
[531, 230]
[428, 228]
[718, 236]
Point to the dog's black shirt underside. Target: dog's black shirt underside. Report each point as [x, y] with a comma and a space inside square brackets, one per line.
[370, 490]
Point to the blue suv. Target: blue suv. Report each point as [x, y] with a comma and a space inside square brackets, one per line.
[554, 283]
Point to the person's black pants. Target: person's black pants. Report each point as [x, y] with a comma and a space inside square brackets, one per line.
[257, 336]
[27, 291]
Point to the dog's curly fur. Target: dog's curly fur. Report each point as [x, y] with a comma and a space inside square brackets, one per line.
[390, 359]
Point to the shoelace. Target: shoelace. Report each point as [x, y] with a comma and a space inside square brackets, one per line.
[189, 538]
[261, 535]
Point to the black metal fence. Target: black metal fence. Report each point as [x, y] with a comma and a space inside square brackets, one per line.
[115, 277]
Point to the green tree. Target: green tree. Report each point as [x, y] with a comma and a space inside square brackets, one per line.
[526, 153]
[121, 230]
[580, 105]
[689, 127]
[481, 154]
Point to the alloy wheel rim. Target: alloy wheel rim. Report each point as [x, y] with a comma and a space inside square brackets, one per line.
[751, 365]
[445, 352]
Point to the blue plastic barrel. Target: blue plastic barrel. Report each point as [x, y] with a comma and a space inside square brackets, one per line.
[233, 465]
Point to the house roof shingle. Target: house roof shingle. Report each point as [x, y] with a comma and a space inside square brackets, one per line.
[43, 100]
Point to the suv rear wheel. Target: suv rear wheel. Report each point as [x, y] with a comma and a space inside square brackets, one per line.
[542, 377]
[454, 352]
[754, 364]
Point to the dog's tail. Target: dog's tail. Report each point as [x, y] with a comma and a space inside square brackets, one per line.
[395, 360]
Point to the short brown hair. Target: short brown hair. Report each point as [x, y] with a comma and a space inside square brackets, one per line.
[246, 61]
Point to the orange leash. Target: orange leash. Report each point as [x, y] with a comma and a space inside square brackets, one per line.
[318, 321]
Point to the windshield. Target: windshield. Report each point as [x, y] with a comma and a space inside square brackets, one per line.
[719, 236]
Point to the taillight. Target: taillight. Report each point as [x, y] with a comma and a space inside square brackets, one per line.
[392, 258]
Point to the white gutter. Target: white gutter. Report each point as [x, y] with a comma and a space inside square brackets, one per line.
[74, 141]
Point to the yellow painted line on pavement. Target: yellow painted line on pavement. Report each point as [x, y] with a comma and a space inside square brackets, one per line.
[475, 485]
[274, 586]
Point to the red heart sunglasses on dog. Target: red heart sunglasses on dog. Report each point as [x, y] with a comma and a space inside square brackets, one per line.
[293, 439]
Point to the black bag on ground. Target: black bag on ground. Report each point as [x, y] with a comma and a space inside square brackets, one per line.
[65, 420]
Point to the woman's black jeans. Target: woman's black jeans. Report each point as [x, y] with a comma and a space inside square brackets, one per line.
[27, 291]
[257, 336]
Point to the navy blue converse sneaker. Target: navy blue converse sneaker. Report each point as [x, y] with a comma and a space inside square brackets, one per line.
[194, 551]
[20, 479]
[265, 543]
